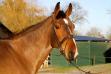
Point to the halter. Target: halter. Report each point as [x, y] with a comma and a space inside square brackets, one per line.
[59, 43]
[66, 38]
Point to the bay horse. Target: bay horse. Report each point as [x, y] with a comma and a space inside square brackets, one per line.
[25, 52]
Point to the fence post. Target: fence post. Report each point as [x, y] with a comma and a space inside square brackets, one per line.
[93, 60]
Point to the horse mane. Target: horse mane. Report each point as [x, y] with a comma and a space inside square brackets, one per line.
[32, 28]
[4, 32]
[10, 35]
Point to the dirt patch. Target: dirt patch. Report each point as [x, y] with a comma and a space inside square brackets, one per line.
[97, 69]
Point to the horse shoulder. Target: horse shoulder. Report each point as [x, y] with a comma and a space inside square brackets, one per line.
[9, 62]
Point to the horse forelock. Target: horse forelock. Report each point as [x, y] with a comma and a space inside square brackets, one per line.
[61, 14]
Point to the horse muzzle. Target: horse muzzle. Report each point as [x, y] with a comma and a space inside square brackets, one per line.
[71, 51]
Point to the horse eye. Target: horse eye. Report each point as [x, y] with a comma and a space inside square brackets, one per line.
[57, 26]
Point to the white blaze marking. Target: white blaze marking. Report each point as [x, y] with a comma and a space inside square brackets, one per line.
[65, 20]
[76, 51]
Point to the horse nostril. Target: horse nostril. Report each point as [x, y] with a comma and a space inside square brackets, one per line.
[71, 56]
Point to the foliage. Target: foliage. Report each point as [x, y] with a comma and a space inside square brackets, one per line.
[109, 33]
[79, 14]
[77, 33]
[94, 32]
[16, 15]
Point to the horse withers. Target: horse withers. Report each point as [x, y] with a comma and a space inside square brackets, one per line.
[25, 52]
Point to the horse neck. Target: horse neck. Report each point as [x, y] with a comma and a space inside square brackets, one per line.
[34, 45]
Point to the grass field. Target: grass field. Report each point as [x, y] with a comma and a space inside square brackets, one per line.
[96, 69]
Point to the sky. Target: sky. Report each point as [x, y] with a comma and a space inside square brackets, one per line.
[97, 12]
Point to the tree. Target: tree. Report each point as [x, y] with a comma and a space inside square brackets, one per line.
[77, 33]
[78, 14]
[94, 32]
[108, 35]
[16, 15]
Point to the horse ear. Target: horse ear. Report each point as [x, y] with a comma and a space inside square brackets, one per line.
[57, 9]
[69, 10]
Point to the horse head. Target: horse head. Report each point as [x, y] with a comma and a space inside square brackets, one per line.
[63, 30]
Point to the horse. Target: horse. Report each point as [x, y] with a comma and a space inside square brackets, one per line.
[4, 32]
[25, 52]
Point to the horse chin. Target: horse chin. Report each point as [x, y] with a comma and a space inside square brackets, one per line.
[70, 51]
[71, 58]
[70, 61]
